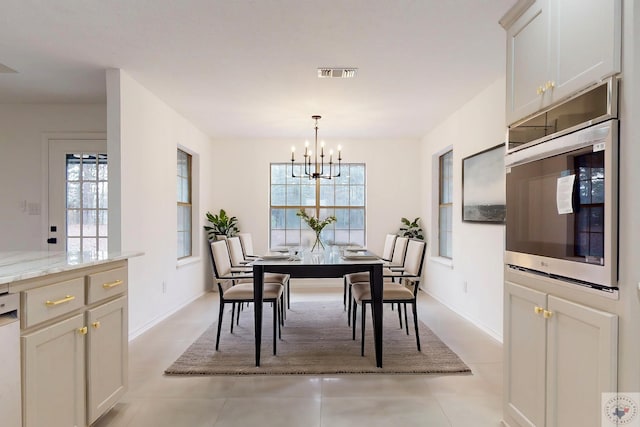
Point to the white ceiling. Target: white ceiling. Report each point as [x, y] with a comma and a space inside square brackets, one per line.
[247, 68]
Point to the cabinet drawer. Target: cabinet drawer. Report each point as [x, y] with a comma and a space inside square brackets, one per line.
[48, 302]
[106, 284]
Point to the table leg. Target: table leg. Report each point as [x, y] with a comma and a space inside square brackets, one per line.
[258, 289]
[376, 284]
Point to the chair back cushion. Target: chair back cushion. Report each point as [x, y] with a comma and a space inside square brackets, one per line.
[387, 251]
[399, 250]
[247, 243]
[235, 250]
[413, 259]
[221, 260]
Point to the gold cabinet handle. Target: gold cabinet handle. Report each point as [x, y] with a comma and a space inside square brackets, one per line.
[550, 85]
[95, 325]
[60, 301]
[540, 90]
[547, 314]
[538, 310]
[83, 330]
[112, 284]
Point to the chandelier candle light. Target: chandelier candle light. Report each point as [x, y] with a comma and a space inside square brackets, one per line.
[316, 170]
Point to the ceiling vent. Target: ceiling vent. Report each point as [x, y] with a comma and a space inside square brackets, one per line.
[337, 73]
[7, 70]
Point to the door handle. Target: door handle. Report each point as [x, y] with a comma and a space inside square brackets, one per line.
[52, 240]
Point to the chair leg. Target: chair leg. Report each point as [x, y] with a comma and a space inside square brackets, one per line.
[363, 315]
[415, 322]
[220, 323]
[406, 322]
[233, 313]
[350, 300]
[353, 320]
[344, 293]
[399, 313]
[275, 325]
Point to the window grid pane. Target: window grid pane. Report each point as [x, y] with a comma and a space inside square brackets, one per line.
[86, 191]
[343, 196]
[445, 211]
[184, 212]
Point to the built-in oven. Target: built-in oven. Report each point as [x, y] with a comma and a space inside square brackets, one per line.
[10, 396]
[562, 196]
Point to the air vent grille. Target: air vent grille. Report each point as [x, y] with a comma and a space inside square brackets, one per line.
[337, 73]
[7, 70]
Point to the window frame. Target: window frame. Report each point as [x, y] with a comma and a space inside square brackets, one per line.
[316, 209]
[437, 196]
[188, 204]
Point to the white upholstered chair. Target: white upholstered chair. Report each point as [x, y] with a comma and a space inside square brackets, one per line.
[235, 288]
[403, 293]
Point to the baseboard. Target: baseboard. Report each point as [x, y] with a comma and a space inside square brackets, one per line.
[144, 328]
[487, 331]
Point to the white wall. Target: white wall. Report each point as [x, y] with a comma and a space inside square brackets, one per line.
[242, 182]
[146, 133]
[477, 248]
[23, 164]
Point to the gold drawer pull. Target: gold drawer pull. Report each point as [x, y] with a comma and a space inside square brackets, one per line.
[83, 330]
[547, 314]
[95, 325]
[538, 310]
[60, 301]
[112, 284]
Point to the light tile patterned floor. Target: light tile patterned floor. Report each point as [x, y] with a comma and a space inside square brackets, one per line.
[154, 400]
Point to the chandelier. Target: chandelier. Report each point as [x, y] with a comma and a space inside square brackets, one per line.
[316, 169]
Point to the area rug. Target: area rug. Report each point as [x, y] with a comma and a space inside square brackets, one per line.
[315, 340]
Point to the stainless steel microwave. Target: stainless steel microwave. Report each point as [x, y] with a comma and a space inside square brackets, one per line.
[562, 207]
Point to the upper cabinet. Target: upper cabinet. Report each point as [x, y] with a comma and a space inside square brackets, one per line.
[556, 48]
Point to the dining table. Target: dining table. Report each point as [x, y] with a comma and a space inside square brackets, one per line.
[321, 265]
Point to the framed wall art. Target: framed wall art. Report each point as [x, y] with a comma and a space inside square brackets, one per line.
[483, 186]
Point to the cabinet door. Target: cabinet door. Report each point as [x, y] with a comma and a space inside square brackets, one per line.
[527, 61]
[581, 362]
[524, 355]
[54, 375]
[107, 348]
[585, 43]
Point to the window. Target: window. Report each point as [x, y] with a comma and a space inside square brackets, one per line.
[445, 212]
[343, 197]
[86, 202]
[184, 204]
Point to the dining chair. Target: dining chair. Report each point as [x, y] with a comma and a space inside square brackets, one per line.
[247, 245]
[237, 287]
[387, 255]
[238, 261]
[403, 292]
[389, 270]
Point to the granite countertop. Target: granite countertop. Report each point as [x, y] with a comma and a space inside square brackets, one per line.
[20, 265]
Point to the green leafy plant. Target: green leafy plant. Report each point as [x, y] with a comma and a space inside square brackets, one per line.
[411, 229]
[221, 225]
[316, 225]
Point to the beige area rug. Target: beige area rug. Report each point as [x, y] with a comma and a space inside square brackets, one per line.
[315, 340]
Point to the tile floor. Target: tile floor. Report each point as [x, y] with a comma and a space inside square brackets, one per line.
[330, 400]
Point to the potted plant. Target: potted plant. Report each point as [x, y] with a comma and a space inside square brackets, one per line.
[316, 225]
[411, 229]
[221, 225]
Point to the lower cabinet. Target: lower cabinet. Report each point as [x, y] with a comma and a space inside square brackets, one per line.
[107, 364]
[53, 366]
[560, 357]
[74, 356]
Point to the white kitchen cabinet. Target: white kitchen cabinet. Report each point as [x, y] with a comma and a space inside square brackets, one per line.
[107, 363]
[74, 346]
[557, 48]
[54, 375]
[560, 357]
